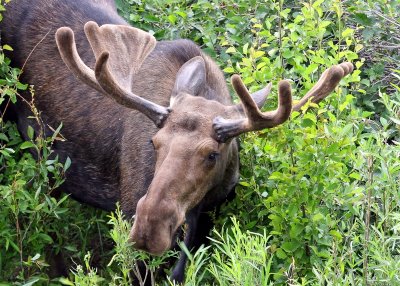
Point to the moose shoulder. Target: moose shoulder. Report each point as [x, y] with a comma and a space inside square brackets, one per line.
[149, 124]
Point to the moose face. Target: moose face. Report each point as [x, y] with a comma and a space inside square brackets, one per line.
[190, 162]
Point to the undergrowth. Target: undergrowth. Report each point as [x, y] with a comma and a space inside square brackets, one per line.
[318, 199]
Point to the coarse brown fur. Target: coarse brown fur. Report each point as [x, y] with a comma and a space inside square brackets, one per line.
[110, 146]
[94, 125]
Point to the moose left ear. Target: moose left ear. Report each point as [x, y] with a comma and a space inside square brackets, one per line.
[190, 78]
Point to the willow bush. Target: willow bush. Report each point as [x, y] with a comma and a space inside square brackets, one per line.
[318, 198]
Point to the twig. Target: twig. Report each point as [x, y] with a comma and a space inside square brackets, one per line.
[5, 109]
[386, 18]
[31, 52]
[138, 275]
[390, 47]
[280, 36]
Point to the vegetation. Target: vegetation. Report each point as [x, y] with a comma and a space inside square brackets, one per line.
[319, 198]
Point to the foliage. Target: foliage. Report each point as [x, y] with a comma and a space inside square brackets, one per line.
[318, 200]
[381, 43]
[26, 185]
[125, 259]
[241, 258]
[307, 178]
[37, 223]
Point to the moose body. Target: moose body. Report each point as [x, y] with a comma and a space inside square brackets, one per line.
[108, 144]
[166, 165]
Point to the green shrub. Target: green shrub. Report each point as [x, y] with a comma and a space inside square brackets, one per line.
[380, 29]
[35, 225]
[318, 199]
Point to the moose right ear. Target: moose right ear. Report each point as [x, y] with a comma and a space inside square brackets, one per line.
[190, 78]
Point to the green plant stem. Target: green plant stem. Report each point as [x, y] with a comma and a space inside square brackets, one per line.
[370, 163]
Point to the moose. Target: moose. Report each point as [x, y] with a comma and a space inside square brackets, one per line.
[147, 123]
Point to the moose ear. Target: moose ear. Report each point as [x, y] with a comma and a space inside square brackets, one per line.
[190, 78]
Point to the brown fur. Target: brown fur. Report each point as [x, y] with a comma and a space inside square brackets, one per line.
[109, 144]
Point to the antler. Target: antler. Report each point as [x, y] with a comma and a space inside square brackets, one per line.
[256, 120]
[119, 51]
[326, 84]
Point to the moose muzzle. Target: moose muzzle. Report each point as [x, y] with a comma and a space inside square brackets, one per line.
[155, 225]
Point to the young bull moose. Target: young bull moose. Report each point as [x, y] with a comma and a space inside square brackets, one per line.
[149, 124]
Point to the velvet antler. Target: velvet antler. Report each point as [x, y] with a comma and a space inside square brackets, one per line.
[119, 51]
[254, 119]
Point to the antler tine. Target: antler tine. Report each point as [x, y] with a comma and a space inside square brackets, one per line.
[113, 73]
[124, 97]
[67, 47]
[326, 84]
[255, 119]
[269, 119]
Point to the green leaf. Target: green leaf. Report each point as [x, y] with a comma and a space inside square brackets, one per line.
[395, 120]
[46, 238]
[71, 248]
[182, 14]
[21, 86]
[366, 114]
[309, 119]
[248, 80]
[66, 281]
[245, 48]
[347, 32]
[363, 19]
[244, 184]
[296, 230]
[258, 54]
[229, 70]
[318, 217]
[7, 47]
[30, 132]
[230, 50]
[67, 164]
[7, 151]
[27, 144]
[290, 246]
[151, 18]
[3, 137]
[276, 176]
[355, 175]
[311, 68]
[317, 3]
[172, 19]
[31, 281]
[336, 234]
[280, 253]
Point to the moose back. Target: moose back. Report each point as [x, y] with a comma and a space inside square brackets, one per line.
[146, 123]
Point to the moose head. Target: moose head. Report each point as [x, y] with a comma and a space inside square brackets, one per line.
[193, 145]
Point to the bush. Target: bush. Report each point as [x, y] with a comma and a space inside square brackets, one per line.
[36, 225]
[318, 196]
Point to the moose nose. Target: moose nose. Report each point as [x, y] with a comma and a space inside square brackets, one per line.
[154, 226]
[138, 239]
[155, 246]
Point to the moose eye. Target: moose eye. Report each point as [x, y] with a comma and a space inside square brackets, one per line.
[212, 157]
